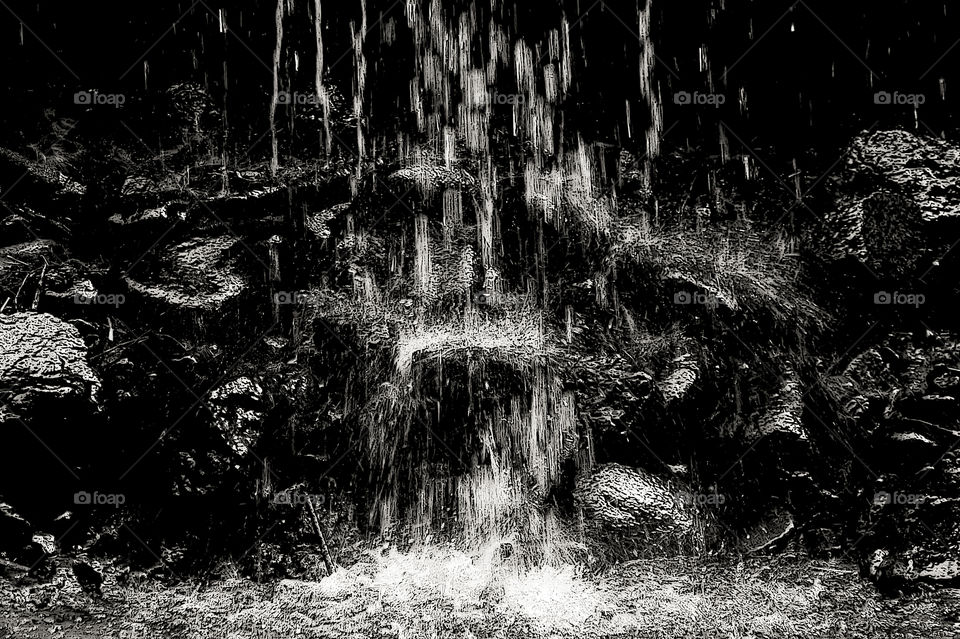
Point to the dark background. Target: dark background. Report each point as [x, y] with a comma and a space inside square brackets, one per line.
[809, 71]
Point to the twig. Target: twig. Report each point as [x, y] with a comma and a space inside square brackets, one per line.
[135, 340]
[36, 295]
[324, 551]
[22, 284]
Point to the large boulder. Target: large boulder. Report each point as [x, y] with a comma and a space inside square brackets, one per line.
[894, 186]
[628, 500]
[198, 284]
[926, 168]
[42, 358]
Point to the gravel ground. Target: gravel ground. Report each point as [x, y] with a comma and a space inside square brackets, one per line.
[409, 597]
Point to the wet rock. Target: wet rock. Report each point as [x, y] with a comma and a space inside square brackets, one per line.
[238, 410]
[866, 386]
[894, 186]
[926, 168]
[924, 546]
[41, 177]
[19, 223]
[41, 277]
[784, 412]
[42, 358]
[430, 178]
[621, 498]
[88, 577]
[771, 533]
[943, 379]
[163, 215]
[196, 282]
[319, 224]
[21, 268]
[911, 531]
[881, 230]
[680, 378]
[906, 450]
[15, 531]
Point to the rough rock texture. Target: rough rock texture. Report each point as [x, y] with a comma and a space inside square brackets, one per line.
[42, 358]
[771, 533]
[784, 413]
[627, 499]
[238, 410]
[924, 167]
[910, 531]
[430, 179]
[318, 223]
[198, 275]
[43, 171]
[37, 274]
[893, 185]
[680, 378]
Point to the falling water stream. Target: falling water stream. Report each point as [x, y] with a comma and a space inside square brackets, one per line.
[486, 99]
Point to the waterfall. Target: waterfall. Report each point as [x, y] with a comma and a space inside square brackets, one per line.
[274, 160]
[498, 118]
[319, 87]
[422, 259]
[648, 62]
[359, 87]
